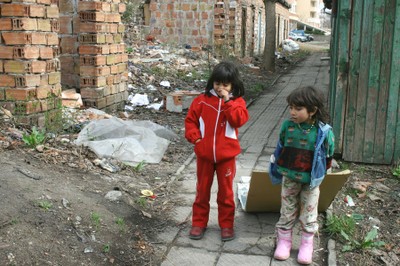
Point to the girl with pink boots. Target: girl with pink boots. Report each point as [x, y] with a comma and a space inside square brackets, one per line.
[301, 159]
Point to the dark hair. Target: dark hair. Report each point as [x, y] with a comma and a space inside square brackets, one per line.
[310, 98]
[229, 73]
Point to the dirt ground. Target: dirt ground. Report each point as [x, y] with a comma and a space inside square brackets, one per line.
[55, 209]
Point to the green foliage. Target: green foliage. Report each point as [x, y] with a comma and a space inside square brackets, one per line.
[336, 225]
[129, 13]
[259, 87]
[142, 202]
[121, 224]
[140, 166]
[396, 171]
[35, 138]
[129, 50]
[106, 248]
[95, 217]
[367, 242]
[44, 204]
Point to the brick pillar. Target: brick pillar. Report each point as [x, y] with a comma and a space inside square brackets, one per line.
[103, 60]
[29, 66]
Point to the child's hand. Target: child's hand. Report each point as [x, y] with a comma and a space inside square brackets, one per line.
[224, 94]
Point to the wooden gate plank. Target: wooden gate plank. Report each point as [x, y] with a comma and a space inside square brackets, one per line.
[342, 62]
[351, 105]
[381, 153]
[393, 116]
[373, 85]
[361, 104]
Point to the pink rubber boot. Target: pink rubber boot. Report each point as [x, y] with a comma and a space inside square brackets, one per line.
[282, 251]
[306, 248]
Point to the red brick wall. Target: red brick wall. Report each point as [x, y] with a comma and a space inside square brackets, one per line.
[102, 57]
[29, 68]
[182, 22]
[50, 45]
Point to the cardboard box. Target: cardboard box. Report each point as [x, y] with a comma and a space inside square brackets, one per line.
[262, 196]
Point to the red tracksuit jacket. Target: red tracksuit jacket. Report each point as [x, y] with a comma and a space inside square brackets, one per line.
[216, 123]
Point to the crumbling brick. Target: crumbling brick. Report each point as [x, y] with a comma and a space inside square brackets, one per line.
[15, 10]
[38, 11]
[27, 81]
[25, 52]
[96, 103]
[27, 107]
[7, 81]
[13, 66]
[14, 94]
[16, 38]
[92, 93]
[38, 38]
[43, 92]
[5, 24]
[52, 12]
[37, 67]
[97, 60]
[54, 78]
[46, 52]
[93, 82]
[52, 39]
[92, 38]
[6, 52]
[92, 16]
[94, 70]
[65, 25]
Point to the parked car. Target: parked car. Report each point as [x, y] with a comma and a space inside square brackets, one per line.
[297, 37]
[302, 33]
[290, 45]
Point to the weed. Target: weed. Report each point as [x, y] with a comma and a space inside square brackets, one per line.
[129, 50]
[336, 225]
[121, 224]
[140, 166]
[106, 248]
[162, 72]
[396, 171]
[367, 242]
[35, 138]
[344, 165]
[95, 217]
[44, 204]
[259, 87]
[142, 202]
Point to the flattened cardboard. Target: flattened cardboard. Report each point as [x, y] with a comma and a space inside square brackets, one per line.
[265, 197]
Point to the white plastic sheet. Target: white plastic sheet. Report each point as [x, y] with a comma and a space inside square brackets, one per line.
[130, 142]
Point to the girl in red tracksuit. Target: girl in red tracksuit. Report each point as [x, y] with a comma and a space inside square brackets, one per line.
[212, 126]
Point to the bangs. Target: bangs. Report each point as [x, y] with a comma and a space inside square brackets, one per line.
[223, 75]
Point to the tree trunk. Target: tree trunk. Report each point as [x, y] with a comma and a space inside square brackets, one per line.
[270, 36]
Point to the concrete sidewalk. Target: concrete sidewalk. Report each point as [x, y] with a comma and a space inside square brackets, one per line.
[255, 232]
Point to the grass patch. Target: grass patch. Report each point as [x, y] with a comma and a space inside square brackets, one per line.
[121, 224]
[96, 220]
[45, 205]
[335, 225]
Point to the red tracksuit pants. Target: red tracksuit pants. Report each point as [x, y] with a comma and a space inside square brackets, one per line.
[226, 171]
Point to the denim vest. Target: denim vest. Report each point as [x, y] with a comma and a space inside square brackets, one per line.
[318, 170]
